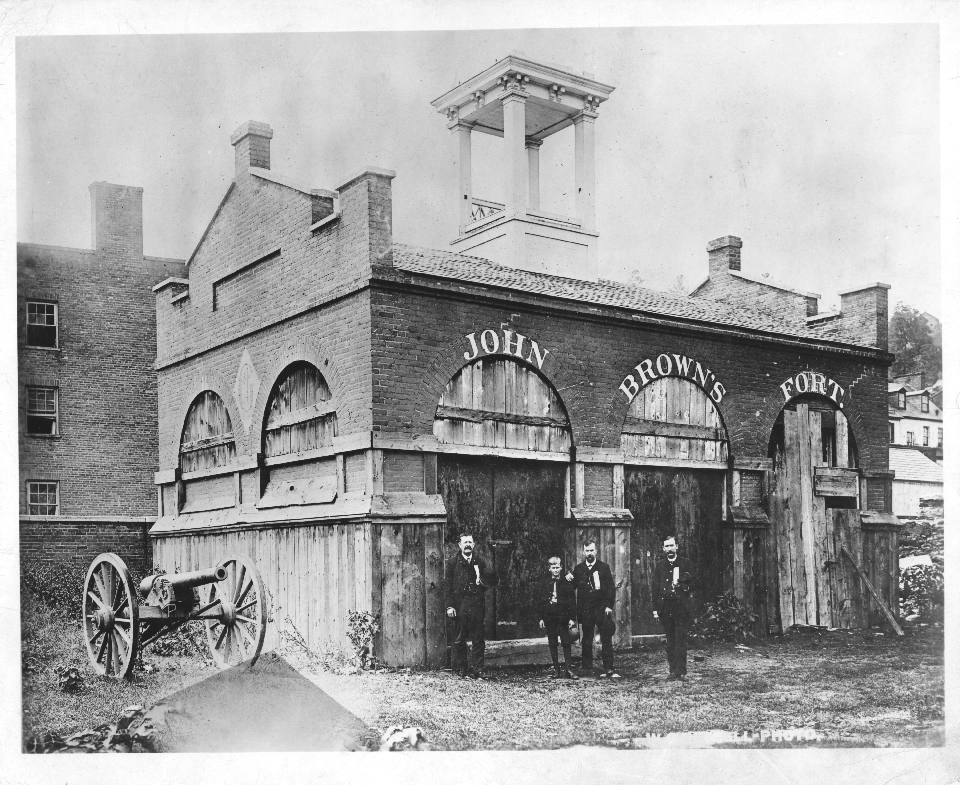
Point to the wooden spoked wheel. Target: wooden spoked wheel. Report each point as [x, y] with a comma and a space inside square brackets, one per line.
[111, 617]
[236, 635]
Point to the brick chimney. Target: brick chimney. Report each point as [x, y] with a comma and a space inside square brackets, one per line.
[116, 219]
[366, 206]
[863, 312]
[724, 254]
[251, 143]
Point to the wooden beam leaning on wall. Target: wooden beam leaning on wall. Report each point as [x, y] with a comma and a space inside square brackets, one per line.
[888, 615]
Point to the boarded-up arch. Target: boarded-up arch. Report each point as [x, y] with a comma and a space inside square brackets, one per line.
[814, 497]
[672, 418]
[300, 412]
[497, 402]
[207, 440]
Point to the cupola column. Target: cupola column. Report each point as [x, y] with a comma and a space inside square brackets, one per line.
[465, 165]
[533, 167]
[514, 141]
[585, 169]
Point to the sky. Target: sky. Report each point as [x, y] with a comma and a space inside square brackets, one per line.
[817, 145]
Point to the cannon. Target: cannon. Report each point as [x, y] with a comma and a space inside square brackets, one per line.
[117, 623]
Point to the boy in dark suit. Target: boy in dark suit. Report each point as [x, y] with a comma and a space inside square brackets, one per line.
[557, 600]
[596, 595]
[674, 583]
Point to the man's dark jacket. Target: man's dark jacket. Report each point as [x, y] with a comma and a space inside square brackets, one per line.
[589, 598]
[565, 607]
[663, 585]
[461, 581]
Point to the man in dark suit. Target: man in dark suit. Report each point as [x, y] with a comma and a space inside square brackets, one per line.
[674, 584]
[596, 595]
[558, 611]
[467, 580]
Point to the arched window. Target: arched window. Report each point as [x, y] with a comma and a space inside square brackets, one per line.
[673, 418]
[207, 440]
[498, 402]
[300, 413]
[831, 439]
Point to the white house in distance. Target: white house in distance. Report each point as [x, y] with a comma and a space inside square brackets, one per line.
[916, 444]
[915, 419]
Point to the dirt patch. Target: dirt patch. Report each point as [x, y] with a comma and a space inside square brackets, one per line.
[267, 708]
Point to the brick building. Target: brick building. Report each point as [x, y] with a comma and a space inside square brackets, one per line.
[86, 332]
[340, 406]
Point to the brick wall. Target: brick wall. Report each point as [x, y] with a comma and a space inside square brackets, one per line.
[105, 454]
[862, 318]
[402, 471]
[75, 543]
[597, 486]
[724, 284]
[790, 306]
[335, 340]
[259, 218]
[419, 341]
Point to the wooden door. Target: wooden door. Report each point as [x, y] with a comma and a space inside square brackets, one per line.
[684, 502]
[518, 504]
[813, 479]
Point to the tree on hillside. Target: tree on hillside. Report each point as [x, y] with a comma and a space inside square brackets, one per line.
[912, 343]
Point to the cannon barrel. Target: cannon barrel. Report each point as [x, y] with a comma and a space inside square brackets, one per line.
[186, 580]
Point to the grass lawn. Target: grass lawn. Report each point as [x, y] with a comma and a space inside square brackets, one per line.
[51, 641]
[860, 687]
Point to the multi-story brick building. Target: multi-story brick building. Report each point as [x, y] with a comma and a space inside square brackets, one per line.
[86, 332]
[340, 406]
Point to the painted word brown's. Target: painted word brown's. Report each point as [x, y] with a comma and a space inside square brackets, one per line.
[812, 382]
[490, 344]
[672, 365]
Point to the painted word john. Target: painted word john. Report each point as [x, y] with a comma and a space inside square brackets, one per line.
[812, 382]
[490, 344]
[672, 365]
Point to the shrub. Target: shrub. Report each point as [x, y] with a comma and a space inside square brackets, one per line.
[724, 619]
[57, 585]
[69, 678]
[921, 591]
[362, 627]
[185, 641]
[41, 631]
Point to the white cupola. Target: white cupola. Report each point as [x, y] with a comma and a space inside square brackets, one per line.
[525, 101]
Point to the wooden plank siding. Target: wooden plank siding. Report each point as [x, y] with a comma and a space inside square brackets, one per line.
[684, 502]
[672, 418]
[814, 469]
[614, 548]
[207, 440]
[310, 573]
[499, 403]
[300, 416]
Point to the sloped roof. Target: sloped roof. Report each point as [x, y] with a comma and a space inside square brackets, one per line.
[895, 387]
[913, 466]
[446, 264]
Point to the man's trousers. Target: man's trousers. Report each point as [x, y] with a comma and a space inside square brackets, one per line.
[592, 620]
[676, 624]
[469, 627]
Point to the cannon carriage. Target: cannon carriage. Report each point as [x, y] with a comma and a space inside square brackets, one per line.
[119, 618]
